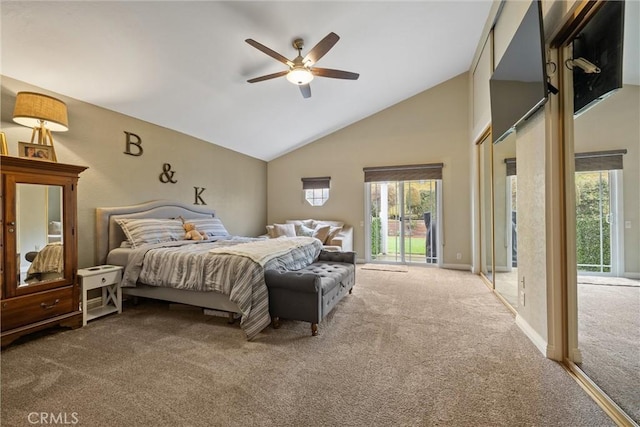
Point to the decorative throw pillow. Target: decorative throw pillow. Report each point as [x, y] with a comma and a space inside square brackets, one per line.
[212, 226]
[321, 232]
[302, 230]
[324, 222]
[146, 231]
[305, 222]
[288, 230]
[270, 231]
[333, 232]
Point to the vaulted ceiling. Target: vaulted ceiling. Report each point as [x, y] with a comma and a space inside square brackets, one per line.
[185, 65]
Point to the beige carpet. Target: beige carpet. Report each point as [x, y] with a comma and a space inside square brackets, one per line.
[386, 267]
[609, 339]
[430, 347]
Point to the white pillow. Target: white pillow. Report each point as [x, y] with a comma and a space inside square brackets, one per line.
[331, 223]
[146, 230]
[302, 230]
[288, 230]
[305, 222]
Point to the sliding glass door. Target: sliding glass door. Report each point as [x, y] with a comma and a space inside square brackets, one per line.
[594, 222]
[403, 221]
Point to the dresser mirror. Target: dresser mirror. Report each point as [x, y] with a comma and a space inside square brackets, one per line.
[39, 233]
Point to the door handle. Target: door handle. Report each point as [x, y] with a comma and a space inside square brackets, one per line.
[47, 307]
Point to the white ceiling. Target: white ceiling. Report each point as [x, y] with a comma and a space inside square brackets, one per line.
[184, 65]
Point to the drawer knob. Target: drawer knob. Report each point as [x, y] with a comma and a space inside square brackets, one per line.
[104, 279]
[47, 307]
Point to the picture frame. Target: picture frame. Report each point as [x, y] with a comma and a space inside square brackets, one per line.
[36, 151]
[3, 145]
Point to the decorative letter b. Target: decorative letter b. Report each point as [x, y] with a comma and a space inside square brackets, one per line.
[137, 142]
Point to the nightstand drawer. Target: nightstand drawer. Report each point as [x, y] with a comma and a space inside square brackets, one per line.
[32, 308]
[100, 279]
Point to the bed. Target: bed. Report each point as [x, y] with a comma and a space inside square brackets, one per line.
[48, 264]
[223, 273]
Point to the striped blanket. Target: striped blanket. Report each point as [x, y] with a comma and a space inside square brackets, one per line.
[210, 266]
[49, 260]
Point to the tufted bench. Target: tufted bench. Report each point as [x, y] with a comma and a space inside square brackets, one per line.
[311, 293]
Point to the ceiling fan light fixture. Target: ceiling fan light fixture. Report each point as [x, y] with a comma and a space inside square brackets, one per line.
[300, 76]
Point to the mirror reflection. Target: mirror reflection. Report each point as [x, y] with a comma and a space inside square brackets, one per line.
[505, 219]
[607, 202]
[486, 229]
[40, 246]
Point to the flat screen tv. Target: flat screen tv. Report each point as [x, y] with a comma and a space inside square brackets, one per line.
[600, 42]
[518, 86]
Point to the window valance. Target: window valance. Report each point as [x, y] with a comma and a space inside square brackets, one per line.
[403, 173]
[585, 162]
[316, 183]
[599, 160]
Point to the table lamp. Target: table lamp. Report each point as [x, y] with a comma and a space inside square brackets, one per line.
[43, 113]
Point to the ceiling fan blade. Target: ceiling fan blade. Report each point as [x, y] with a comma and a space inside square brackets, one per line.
[305, 90]
[321, 49]
[272, 53]
[334, 74]
[268, 76]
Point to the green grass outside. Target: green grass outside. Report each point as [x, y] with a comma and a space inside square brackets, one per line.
[412, 245]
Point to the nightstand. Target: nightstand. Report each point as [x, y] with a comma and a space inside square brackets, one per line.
[106, 277]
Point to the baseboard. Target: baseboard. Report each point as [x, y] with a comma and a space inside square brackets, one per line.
[465, 267]
[576, 356]
[635, 276]
[531, 333]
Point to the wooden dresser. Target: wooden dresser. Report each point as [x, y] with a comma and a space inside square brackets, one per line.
[39, 247]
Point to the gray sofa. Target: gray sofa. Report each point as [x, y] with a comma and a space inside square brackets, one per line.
[311, 293]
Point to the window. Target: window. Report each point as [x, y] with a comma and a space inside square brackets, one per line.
[316, 190]
[317, 196]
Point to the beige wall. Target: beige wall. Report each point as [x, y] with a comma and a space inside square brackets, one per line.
[235, 184]
[430, 127]
[532, 207]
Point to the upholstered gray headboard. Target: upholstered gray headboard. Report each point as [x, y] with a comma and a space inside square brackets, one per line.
[109, 234]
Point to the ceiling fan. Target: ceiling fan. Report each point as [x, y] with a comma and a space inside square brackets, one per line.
[301, 70]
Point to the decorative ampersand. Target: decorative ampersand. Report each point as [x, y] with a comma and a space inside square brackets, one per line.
[167, 174]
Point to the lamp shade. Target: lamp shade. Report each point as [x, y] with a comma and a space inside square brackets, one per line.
[32, 108]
